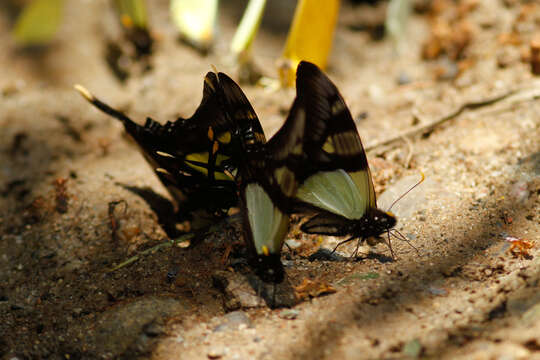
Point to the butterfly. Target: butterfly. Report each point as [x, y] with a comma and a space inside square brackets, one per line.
[194, 158]
[266, 179]
[335, 184]
[221, 151]
[315, 164]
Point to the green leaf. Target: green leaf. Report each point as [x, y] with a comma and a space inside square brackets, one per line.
[38, 22]
[247, 30]
[413, 348]
[133, 13]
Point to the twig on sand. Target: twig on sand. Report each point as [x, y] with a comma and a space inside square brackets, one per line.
[427, 127]
[166, 244]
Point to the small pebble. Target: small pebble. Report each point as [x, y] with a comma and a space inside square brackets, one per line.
[216, 353]
[437, 291]
[289, 314]
[153, 329]
[179, 339]
[413, 348]
[376, 94]
[233, 321]
[362, 116]
[447, 70]
[520, 191]
[403, 78]
[293, 244]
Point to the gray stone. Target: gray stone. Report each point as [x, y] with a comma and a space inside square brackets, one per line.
[233, 320]
[248, 291]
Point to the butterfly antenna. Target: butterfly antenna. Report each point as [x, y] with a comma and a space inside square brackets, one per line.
[289, 247]
[402, 237]
[408, 191]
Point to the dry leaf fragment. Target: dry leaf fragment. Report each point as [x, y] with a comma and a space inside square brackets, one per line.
[61, 195]
[313, 288]
[519, 248]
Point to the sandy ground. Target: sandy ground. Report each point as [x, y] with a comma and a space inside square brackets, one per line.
[462, 295]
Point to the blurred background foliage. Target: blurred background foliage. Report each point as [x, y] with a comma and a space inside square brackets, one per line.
[309, 37]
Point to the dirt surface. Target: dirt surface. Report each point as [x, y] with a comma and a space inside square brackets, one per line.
[461, 295]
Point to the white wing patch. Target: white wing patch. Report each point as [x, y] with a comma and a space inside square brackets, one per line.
[268, 225]
[338, 192]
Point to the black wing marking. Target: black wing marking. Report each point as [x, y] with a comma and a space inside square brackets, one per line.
[242, 114]
[331, 139]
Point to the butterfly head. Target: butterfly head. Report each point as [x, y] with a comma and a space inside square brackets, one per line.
[382, 221]
[373, 224]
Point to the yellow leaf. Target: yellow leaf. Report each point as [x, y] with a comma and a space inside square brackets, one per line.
[310, 36]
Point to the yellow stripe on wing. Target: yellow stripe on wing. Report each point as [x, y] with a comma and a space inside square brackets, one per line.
[196, 160]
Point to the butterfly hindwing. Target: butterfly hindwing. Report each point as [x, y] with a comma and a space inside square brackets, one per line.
[325, 224]
[268, 186]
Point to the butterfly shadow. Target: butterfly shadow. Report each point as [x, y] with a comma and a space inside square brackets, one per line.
[162, 207]
[275, 295]
[323, 254]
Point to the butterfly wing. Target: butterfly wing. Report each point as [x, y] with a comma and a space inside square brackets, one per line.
[265, 181]
[190, 156]
[268, 186]
[249, 131]
[337, 179]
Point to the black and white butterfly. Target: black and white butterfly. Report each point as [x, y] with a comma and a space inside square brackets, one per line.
[336, 188]
[266, 180]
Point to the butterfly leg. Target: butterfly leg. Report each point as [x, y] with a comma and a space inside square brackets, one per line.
[355, 252]
[343, 242]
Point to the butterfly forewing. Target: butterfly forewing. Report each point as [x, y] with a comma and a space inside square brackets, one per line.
[338, 179]
[242, 113]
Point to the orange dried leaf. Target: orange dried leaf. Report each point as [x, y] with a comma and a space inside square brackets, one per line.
[313, 288]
